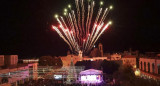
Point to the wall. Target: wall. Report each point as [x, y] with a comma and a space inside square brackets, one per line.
[129, 60]
[1, 60]
[151, 65]
[115, 57]
[10, 60]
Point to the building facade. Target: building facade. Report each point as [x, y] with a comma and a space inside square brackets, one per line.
[10, 60]
[129, 59]
[116, 56]
[100, 47]
[150, 67]
[1, 60]
[12, 73]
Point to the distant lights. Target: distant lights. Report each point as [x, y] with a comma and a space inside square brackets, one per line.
[91, 59]
[69, 6]
[65, 13]
[65, 10]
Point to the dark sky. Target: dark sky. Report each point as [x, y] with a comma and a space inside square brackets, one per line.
[25, 27]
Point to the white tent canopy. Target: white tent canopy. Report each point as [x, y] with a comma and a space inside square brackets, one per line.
[91, 72]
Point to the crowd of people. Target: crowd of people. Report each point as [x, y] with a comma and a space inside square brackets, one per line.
[52, 82]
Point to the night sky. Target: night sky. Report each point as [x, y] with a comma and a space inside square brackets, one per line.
[25, 27]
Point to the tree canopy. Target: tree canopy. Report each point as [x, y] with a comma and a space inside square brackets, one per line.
[50, 61]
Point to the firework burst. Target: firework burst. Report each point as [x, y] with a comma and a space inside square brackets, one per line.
[77, 28]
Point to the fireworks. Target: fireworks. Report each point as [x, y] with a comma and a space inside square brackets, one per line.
[77, 28]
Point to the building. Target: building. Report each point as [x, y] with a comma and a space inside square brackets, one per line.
[96, 58]
[10, 60]
[1, 60]
[129, 59]
[100, 47]
[116, 56]
[67, 59]
[131, 52]
[12, 73]
[97, 52]
[150, 67]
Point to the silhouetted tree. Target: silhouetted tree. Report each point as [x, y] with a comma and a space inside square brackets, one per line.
[109, 67]
[57, 62]
[46, 61]
[125, 76]
[86, 64]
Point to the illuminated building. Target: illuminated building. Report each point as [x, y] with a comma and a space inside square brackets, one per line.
[12, 73]
[10, 60]
[150, 66]
[116, 56]
[1, 60]
[129, 59]
[30, 60]
[100, 46]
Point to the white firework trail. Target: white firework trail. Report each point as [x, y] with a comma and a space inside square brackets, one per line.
[76, 29]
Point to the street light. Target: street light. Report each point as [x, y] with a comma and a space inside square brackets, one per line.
[69, 6]
[65, 10]
[65, 13]
[137, 72]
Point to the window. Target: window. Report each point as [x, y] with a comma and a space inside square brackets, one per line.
[153, 68]
[141, 65]
[148, 67]
[144, 66]
[158, 68]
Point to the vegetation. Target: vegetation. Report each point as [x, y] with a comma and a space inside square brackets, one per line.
[109, 67]
[50, 61]
[86, 64]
